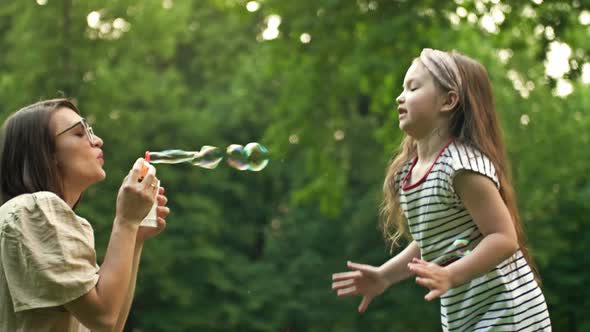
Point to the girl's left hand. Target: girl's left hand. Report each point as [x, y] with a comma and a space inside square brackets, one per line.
[163, 211]
[434, 277]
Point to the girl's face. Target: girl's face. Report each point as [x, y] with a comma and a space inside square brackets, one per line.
[419, 103]
[79, 161]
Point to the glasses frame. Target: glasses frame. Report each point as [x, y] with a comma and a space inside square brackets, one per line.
[87, 129]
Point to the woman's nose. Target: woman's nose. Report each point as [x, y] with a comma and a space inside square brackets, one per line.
[97, 141]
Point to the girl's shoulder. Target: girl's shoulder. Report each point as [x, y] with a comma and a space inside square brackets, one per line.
[460, 156]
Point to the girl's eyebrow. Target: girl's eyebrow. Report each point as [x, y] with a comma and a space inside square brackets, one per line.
[408, 82]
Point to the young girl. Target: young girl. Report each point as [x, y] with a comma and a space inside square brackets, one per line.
[450, 182]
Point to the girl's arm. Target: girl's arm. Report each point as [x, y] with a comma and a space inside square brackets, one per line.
[483, 201]
[396, 269]
[370, 281]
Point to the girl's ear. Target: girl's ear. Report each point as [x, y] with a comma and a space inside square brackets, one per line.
[450, 102]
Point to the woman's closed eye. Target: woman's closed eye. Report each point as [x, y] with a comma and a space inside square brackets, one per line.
[80, 133]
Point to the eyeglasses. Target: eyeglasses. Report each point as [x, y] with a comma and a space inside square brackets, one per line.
[87, 129]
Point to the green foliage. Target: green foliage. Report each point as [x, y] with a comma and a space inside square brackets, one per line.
[248, 251]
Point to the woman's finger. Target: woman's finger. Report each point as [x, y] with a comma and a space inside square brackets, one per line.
[162, 211]
[135, 172]
[162, 200]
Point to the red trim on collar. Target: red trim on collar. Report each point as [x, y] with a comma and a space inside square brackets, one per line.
[405, 186]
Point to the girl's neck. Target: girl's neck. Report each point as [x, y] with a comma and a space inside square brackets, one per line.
[429, 146]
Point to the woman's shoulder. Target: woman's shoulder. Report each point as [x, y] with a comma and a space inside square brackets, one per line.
[41, 198]
[30, 206]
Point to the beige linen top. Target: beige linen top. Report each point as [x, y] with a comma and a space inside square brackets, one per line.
[47, 259]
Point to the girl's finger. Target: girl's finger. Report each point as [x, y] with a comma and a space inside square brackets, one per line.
[420, 270]
[359, 267]
[364, 303]
[425, 282]
[347, 275]
[342, 284]
[433, 294]
[347, 291]
[419, 261]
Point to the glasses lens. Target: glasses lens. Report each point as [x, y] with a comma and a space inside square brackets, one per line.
[89, 131]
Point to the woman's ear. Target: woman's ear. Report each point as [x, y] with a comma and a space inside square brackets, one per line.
[450, 102]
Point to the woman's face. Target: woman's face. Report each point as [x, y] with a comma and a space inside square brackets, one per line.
[79, 161]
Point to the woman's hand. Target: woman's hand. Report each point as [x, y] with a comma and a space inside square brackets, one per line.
[162, 211]
[365, 280]
[136, 198]
[434, 277]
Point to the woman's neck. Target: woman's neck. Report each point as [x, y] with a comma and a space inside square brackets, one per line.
[72, 197]
[430, 145]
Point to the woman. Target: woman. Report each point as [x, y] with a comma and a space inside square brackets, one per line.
[49, 278]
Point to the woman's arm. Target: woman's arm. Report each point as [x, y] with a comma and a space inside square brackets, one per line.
[131, 290]
[99, 309]
[143, 234]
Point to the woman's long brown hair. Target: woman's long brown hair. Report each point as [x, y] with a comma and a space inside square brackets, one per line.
[27, 151]
[475, 123]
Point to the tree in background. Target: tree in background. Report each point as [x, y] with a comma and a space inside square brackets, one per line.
[316, 82]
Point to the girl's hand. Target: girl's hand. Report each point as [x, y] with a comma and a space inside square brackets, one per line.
[162, 211]
[436, 278]
[365, 280]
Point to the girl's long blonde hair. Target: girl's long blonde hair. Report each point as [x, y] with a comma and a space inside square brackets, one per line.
[474, 122]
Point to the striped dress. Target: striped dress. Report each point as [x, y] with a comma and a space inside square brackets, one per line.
[505, 299]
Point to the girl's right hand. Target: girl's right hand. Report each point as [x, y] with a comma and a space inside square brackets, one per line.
[365, 280]
[136, 198]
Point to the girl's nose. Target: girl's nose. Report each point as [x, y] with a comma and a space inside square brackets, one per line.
[400, 99]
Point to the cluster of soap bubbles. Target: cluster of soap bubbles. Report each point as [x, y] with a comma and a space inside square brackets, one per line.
[252, 157]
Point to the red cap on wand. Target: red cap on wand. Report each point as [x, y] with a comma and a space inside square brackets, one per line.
[145, 168]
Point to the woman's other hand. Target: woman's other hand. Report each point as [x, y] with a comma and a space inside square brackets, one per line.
[162, 211]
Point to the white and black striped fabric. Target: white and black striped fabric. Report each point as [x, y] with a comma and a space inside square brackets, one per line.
[505, 299]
